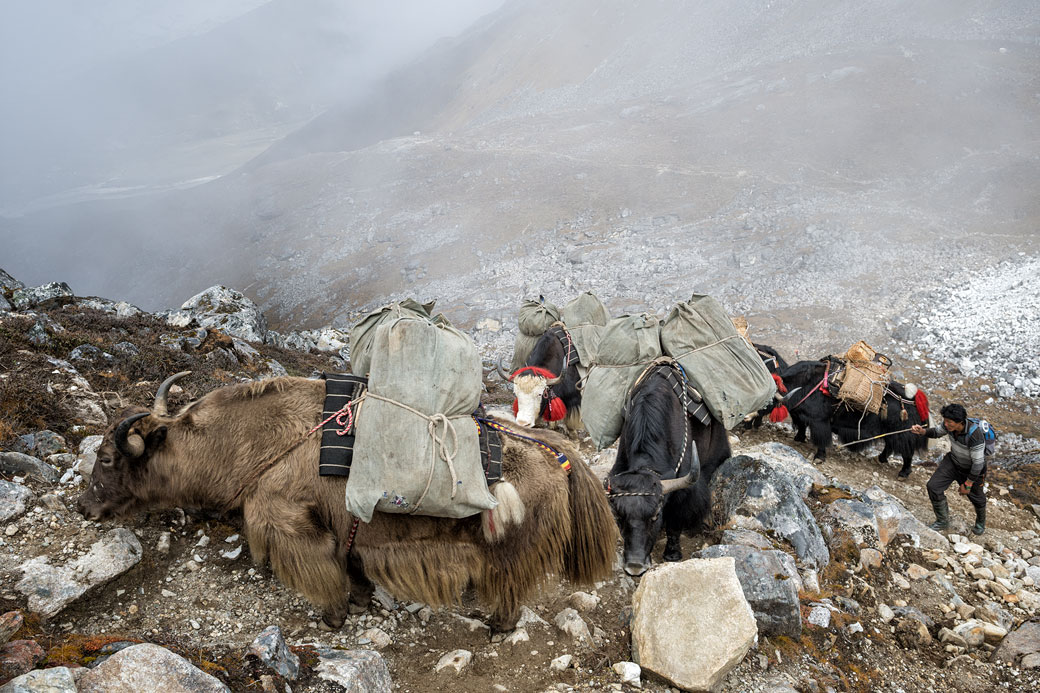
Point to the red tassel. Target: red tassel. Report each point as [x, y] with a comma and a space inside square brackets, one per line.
[778, 414]
[556, 410]
[780, 387]
[516, 407]
[921, 402]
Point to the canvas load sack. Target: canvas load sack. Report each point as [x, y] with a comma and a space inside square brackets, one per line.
[535, 318]
[628, 345]
[585, 317]
[362, 334]
[864, 378]
[722, 365]
[416, 446]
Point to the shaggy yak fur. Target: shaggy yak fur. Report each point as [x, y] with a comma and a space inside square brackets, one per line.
[638, 487]
[550, 355]
[825, 415]
[244, 448]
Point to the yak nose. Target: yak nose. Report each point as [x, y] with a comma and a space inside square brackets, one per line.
[636, 569]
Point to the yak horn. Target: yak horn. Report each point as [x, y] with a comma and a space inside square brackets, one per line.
[669, 485]
[164, 391]
[552, 381]
[122, 444]
[501, 371]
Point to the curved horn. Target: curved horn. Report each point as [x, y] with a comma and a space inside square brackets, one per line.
[549, 382]
[164, 390]
[501, 371]
[669, 485]
[122, 444]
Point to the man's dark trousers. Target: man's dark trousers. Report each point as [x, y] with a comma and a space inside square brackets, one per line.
[947, 473]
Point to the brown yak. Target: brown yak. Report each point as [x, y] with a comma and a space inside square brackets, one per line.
[245, 448]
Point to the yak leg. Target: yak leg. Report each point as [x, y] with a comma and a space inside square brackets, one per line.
[799, 434]
[672, 549]
[504, 618]
[820, 432]
[908, 459]
[886, 452]
[303, 556]
[361, 588]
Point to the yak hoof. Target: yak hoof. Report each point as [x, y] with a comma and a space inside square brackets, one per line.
[672, 556]
[330, 623]
[355, 609]
[904, 474]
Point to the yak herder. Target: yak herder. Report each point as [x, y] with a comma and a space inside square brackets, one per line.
[965, 463]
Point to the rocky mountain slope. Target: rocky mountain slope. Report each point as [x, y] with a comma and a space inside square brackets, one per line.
[863, 597]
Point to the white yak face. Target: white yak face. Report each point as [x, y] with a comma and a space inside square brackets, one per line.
[528, 390]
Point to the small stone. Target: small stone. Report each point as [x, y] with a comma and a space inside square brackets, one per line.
[628, 672]
[562, 662]
[457, 660]
[885, 612]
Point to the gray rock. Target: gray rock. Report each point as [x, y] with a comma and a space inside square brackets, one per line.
[1019, 644]
[770, 587]
[126, 350]
[573, 625]
[45, 443]
[26, 298]
[7, 282]
[893, 519]
[14, 499]
[270, 648]
[53, 680]
[148, 667]
[746, 537]
[757, 495]
[78, 399]
[357, 671]
[855, 518]
[120, 309]
[50, 589]
[802, 473]
[25, 465]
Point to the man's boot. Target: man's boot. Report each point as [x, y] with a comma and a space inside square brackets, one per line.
[942, 515]
[980, 521]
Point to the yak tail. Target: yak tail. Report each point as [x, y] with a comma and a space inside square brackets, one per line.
[509, 512]
[593, 545]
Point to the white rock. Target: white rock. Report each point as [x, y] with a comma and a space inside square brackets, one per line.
[629, 672]
[562, 662]
[457, 660]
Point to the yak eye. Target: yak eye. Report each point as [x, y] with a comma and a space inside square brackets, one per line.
[106, 461]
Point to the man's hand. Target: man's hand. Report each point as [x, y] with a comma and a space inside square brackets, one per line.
[965, 488]
[918, 429]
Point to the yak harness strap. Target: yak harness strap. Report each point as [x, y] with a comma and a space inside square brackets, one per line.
[659, 494]
[689, 399]
[337, 434]
[821, 386]
[561, 458]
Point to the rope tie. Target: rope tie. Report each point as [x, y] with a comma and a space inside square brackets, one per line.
[440, 441]
[707, 346]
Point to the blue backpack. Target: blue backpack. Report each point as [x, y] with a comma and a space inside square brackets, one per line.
[988, 431]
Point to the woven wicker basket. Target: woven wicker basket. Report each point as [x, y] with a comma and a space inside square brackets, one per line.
[863, 386]
[860, 351]
[740, 322]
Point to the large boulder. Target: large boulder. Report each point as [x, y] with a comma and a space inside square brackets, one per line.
[148, 667]
[53, 680]
[26, 465]
[26, 298]
[770, 582]
[691, 623]
[224, 309]
[50, 589]
[1021, 644]
[755, 493]
[892, 519]
[803, 474]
